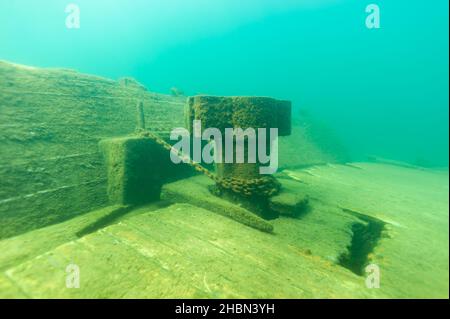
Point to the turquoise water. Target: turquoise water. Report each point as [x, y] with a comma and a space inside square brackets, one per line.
[85, 170]
[384, 91]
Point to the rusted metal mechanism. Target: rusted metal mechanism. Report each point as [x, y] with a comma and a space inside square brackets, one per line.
[243, 179]
[241, 112]
[240, 182]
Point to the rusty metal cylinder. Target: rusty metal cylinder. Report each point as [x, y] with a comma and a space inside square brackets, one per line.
[243, 113]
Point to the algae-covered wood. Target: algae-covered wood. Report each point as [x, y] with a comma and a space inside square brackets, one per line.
[51, 122]
[190, 252]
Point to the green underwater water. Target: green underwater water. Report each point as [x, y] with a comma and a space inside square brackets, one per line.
[363, 160]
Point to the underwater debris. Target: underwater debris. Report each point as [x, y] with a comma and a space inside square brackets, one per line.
[201, 194]
[140, 116]
[262, 186]
[132, 177]
[243, 191]
[242, 182]
[131, 82]
[377, 159]
[176, 91]
[129, 182]
[289, 203]
[243, 113]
